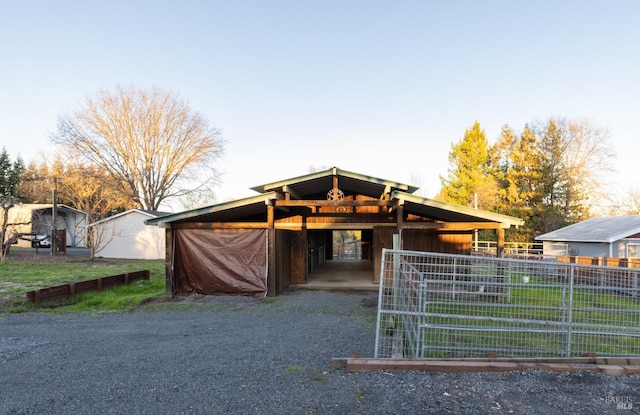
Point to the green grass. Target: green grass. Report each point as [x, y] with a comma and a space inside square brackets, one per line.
[593, 311]
[19, 275]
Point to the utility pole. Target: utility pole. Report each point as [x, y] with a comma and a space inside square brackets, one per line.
[54, 216]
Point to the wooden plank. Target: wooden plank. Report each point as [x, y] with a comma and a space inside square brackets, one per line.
[314, 203]
[299, 257]
[467, 366]
[168, 263]
[382, 238]
[71, 289]
[220, 225]
[349, 226]
[460, 226]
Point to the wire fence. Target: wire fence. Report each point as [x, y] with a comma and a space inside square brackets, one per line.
[451, 306]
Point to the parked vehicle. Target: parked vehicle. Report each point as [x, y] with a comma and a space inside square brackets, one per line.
[41, 241]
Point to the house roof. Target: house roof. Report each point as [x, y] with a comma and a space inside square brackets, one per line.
[450, 212]
[44, 206]
[314, 186]
[149, 213]
[606, 229]
[317, 183]
[221, 212]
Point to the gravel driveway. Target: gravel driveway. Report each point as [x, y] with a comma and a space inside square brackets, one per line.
[234, 355]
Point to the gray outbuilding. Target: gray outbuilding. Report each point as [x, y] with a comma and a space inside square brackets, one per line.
[602, 237]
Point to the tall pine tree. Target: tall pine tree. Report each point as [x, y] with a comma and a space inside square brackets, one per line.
[470, 171]
[10, 174]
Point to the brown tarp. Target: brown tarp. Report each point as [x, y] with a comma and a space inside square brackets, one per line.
[213, 261]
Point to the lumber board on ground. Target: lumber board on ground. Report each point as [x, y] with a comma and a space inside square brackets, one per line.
[608, 366]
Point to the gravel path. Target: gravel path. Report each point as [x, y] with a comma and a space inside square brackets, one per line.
[234, 355]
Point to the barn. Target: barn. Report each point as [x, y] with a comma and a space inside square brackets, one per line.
[125, 235]
[31, 220]
[601, 237]
[263, 244]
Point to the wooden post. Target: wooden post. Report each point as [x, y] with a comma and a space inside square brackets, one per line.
[400, 223]
[168, 262]
[500, 244]
[271, 252]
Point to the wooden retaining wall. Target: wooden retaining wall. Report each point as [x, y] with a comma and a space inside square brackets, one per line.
[71, 289]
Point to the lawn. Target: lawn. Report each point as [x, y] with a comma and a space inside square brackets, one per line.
[25, 271]
[537, 319]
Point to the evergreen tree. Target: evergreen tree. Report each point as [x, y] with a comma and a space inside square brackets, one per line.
[470, 169]
[10, 174]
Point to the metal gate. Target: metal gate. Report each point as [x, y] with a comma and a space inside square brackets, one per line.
[450, 306]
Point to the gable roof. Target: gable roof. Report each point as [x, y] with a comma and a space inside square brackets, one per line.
[606, 229]
[314, 186]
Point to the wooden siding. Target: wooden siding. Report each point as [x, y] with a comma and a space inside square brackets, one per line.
[382, 238]
[283, 260]
[434, 241]
[298, 257]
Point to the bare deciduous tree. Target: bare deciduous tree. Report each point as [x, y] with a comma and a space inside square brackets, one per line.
[587, 156]
[628, 203]
[148, 139]
[8, 235]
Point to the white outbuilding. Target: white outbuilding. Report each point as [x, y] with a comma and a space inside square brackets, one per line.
[125, 235]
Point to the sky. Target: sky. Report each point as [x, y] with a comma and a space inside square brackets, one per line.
[382, 88]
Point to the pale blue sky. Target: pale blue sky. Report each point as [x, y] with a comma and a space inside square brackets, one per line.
[375, 87]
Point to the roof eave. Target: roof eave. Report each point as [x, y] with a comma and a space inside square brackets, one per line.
[338, 172]
[163, 220]
[505, 220]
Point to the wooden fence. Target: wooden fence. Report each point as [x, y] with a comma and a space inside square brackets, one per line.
[613, 272]
[71, 289]
[605, 262]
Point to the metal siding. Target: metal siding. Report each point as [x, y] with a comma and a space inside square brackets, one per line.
[588, 249]
[133, 238]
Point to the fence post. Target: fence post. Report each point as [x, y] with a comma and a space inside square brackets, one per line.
[453, 278]
[570, 311]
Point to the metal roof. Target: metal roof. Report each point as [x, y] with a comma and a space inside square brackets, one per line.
[350, 183]
[451, 212]
[149, 213]
[221, 212]
[316, 185]
[46, 206]
[603, 229]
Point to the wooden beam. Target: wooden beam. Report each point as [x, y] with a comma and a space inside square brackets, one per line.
[460, 226]
[289, 226]
[400, 216]
[386, 193]
[314, 203]
[168, 262]
[500, 244]
[270, 216]
[288, 191]
[221, 225]
[348, 226]
[466, 366]
[272, 255]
